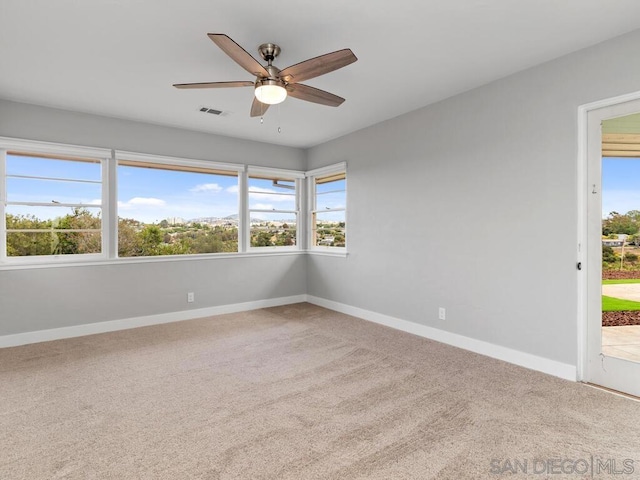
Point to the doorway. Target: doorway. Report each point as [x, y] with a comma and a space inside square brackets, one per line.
[612, 353]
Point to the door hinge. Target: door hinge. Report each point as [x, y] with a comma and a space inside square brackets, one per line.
[579, 265]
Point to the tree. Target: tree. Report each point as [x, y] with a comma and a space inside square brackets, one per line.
[608, 255]
[79, 242]
[617, 223]
[151, 237]
[129, 244]
[21, 244]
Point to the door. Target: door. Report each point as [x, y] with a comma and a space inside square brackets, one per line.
[613, 184]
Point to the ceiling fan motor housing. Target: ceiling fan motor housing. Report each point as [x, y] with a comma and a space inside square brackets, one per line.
[269, 51]
[272, 79]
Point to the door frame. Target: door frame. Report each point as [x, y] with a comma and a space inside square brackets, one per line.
[586, 143]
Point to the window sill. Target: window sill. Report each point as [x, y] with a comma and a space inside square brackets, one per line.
[328, 253]
[158, 259]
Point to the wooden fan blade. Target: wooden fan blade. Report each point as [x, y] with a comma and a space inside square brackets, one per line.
[258, 108]
[314, 67]
[214, 84]
[315, 95]
[238, 54]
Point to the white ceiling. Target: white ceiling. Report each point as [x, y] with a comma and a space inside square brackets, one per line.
[119, 58]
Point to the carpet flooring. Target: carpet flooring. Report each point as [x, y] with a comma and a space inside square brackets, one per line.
[297, 392]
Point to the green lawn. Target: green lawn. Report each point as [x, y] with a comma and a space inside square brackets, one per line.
[624, 280]
[610, 304]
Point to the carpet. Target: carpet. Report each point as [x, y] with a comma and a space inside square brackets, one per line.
[297, 392]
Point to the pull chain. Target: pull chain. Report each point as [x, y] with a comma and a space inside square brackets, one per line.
[279, 129]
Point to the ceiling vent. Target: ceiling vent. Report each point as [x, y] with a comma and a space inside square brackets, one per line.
[212, 111]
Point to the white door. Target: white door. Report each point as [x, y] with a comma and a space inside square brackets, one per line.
[603, 367]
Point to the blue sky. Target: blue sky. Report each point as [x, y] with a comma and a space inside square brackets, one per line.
[620, 185]
[145, 194]
[150, 195]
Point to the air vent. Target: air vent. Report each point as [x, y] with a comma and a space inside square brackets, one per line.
[212, 111]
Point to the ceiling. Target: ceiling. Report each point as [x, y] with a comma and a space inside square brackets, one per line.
[119, 58]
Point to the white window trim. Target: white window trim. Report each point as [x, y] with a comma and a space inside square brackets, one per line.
[102, 155]
[179, 161]
[184, 162]
[276, 172]
[34, 146]
[109, 161]
[328, 170]
[298, 176]
[3, 205]
[311, 206]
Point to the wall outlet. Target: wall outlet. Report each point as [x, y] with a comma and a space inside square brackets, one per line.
[442, 313]
[191, 297]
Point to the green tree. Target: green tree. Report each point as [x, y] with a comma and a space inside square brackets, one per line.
[78, 242]
[150, 240]
[129, 243]
[21, 244]
[617, 223]
[608, 255]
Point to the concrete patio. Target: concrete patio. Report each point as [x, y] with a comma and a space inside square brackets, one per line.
[623, 341]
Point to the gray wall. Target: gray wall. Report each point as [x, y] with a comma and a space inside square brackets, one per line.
[44, 298]
[471, 204]
[33, 122]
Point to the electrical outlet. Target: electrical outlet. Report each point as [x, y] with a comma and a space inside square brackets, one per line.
[191, 297]
[442, 313]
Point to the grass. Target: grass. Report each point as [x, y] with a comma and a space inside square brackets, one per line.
[623, 280]
[610, 304]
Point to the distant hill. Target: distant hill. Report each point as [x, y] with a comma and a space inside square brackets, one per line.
[233, 219]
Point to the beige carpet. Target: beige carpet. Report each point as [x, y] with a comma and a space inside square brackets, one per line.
[295, 392]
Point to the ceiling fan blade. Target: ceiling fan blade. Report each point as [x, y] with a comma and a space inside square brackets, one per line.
[314, 67]
[214, 84]
[315, 95]
[258, 108]
[238, 54]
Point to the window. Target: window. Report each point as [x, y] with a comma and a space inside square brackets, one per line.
[328, 207]
[175, 207]
[273, 207]
[64, 203]
[53, 201]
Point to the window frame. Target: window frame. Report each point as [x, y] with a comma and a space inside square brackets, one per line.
[140, 160]
[101, 156]
[272, 174]
[109, 160]
[311, 176]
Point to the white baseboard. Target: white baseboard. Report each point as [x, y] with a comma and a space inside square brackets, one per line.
[527, 360]
[124, 324]
[516, 357]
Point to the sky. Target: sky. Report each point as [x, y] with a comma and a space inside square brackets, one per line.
[150, 195]
[620, 185]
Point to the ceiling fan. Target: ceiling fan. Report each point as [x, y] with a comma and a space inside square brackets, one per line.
[272, 85]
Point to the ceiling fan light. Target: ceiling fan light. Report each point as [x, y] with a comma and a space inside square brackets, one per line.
[270, 94]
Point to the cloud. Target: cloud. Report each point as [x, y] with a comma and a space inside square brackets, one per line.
[142, 201]
[207, 187]
[259, 193]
